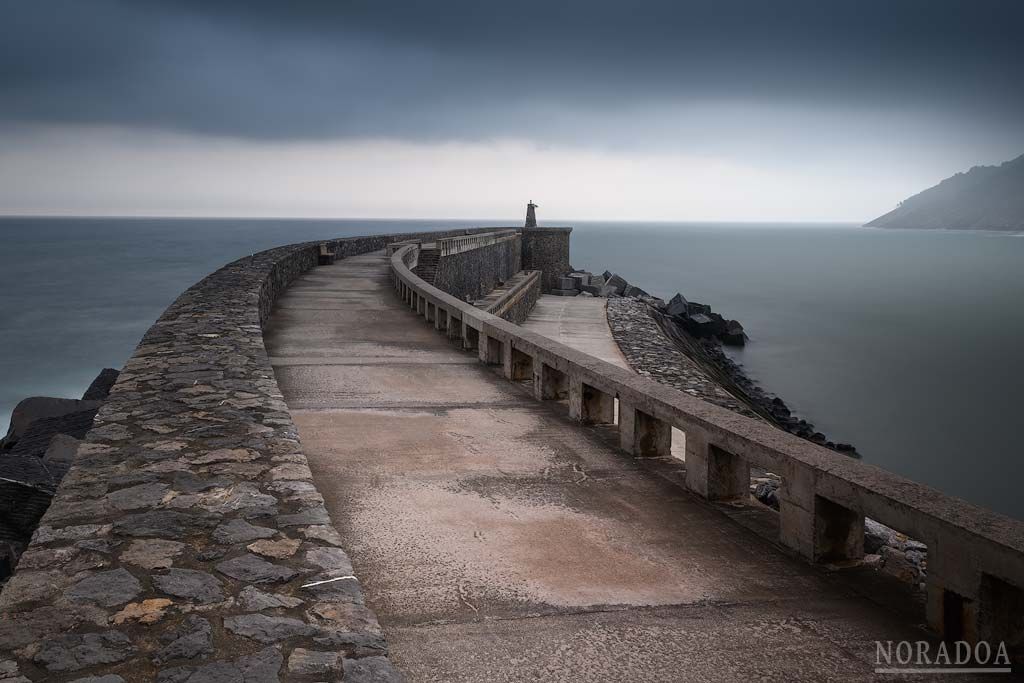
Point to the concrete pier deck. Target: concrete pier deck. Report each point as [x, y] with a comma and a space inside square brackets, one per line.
[499, 541]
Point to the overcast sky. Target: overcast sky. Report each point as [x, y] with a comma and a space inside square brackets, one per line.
[659, 110]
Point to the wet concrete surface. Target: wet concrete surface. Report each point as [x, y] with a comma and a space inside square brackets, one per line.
[499, 541]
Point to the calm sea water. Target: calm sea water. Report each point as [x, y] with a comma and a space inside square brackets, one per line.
[905, 343]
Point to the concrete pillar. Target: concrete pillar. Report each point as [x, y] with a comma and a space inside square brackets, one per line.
[489, 350]
[440, 317]
[454, 327]
[953, 586]
[470, 337]
[817, 528]
[643, 435]
[595, 406]
[549, 384]
[713, 472]
[516, 365]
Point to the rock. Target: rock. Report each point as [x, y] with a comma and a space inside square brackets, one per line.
[154, 553]
[896, 564]
[101, 386]
[334, 560]
[677, 306]
[163, 523]
[226, 455]
[767, 493]
[733, 334]
[145, 612]
[110, 588]
[267, 629]
[240, 531]
[281, 549]
[346, 617]
[593, 290]
[75, 651]
[617, 284]
[191, 638]
[137, 497]
[303, 662]
[606, 275]
[190, 583]
[327, 534]
[693, 308]
[186, 482]
[700, 325]
[61, 452]
[255, 600]
[634, 291]
[261, 667]
[313, 515]
[371, 670]
[254, 570]
[35, 408]
[568, 283]
[218, 672]
[876, 536]
[872, 561]
[109, 678]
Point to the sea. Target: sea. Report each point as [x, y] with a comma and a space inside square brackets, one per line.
[907, 343]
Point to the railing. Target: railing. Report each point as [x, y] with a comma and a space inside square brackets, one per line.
[975, 556]
[457, 245]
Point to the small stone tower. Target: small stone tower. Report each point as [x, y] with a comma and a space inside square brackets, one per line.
[531, 215]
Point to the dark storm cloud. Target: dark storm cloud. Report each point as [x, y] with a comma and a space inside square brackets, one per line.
[470, 69]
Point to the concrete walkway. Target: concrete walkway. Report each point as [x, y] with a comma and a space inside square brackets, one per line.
[499, 541]
[577, 321]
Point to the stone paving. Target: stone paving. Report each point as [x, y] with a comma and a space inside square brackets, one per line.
[497, 540]
[188, 542]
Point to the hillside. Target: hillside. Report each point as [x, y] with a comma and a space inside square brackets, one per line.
[984, 198]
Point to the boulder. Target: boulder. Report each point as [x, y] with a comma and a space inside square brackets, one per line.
[678, 306]
[733, 334]
[593, 290]
[61, 452]
[567, 283]
[608, 291]
[617, 283]
[597, 280]
[35, 408]
[694, 308]
[699, 325]
[607, 275]
[581, 279]
[100, 387]
[634, 291]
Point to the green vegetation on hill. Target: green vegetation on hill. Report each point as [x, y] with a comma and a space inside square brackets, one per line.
[984, 198]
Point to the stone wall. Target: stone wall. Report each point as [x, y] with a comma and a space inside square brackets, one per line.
[515, 304]
[188, 542]
[471, 274]
[547, 250]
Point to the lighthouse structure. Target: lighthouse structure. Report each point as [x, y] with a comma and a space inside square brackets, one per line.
[531, 215]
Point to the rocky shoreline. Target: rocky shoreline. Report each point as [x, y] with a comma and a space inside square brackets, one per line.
[659, 342]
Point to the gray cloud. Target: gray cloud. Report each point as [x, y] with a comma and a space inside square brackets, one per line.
[580, 70]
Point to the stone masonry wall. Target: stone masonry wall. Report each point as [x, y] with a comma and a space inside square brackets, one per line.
[189, 542]
[547, 250]
[515, 304]
[471, 274]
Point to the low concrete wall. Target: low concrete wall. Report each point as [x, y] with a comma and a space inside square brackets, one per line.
[473, 272]
[975, 556]
[515, 304]
[188, 541]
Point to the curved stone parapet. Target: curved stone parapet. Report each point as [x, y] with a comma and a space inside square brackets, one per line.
[189, 542]
[975, 556]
